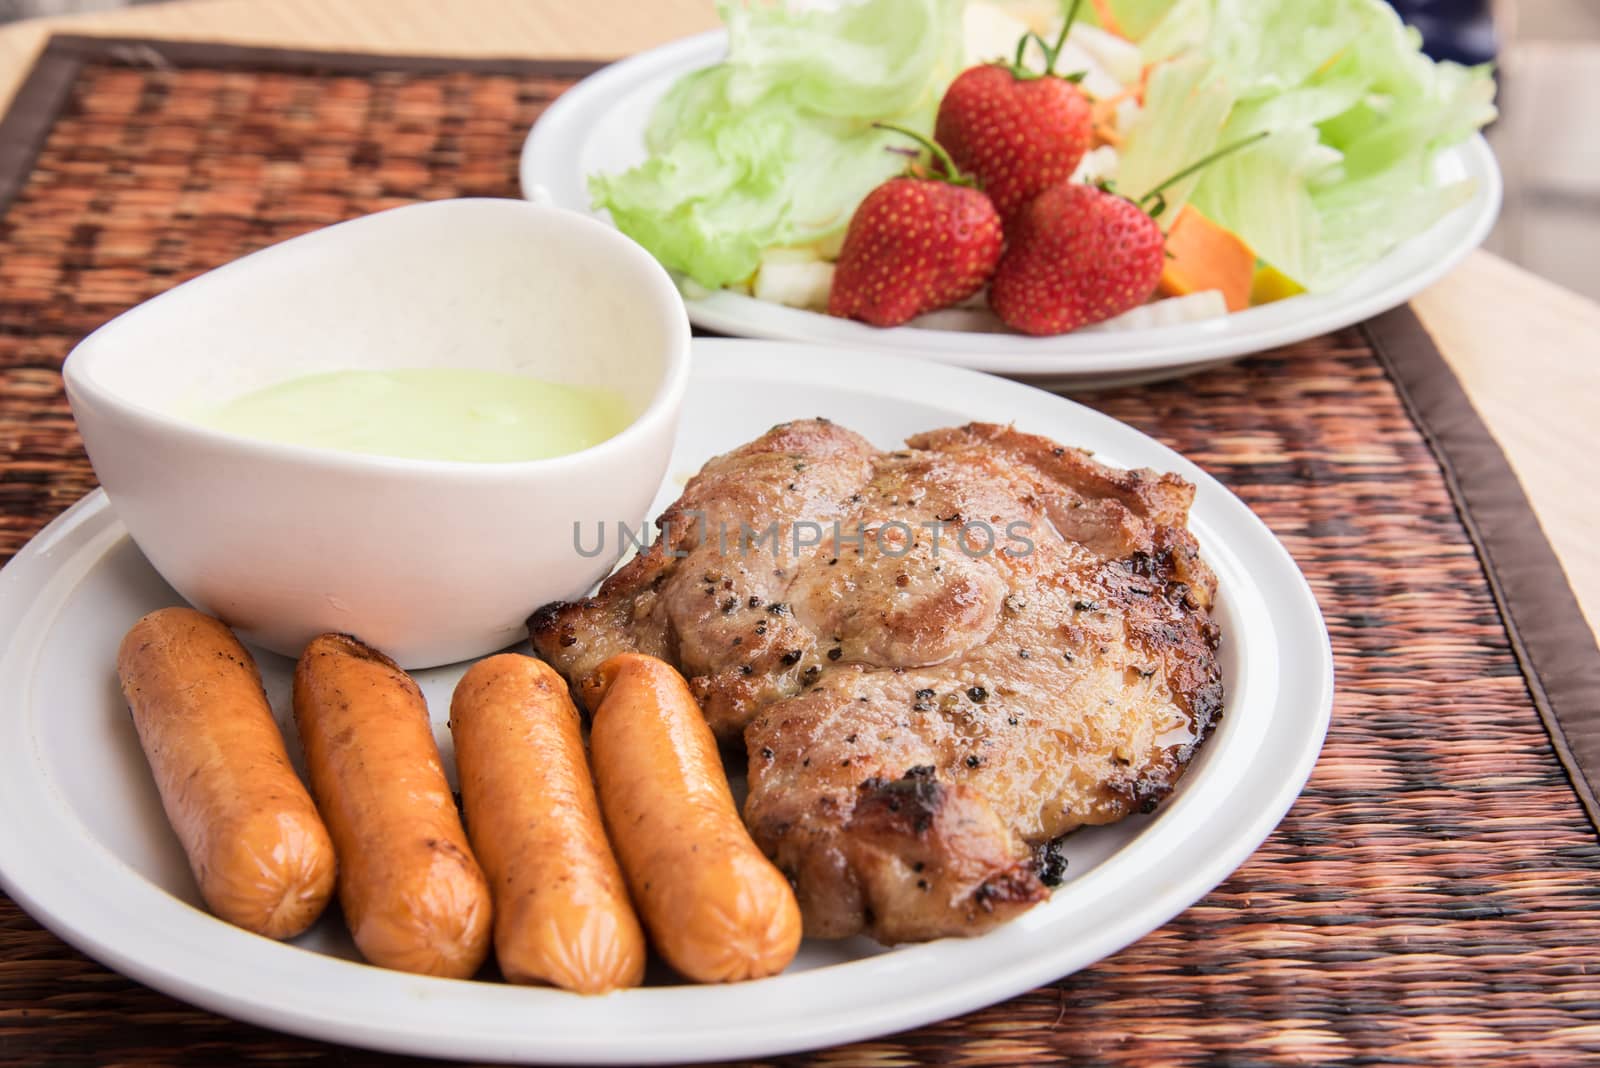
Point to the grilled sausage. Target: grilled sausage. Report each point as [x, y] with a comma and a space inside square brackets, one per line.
[562, 913]
[256, 845]
[413, 894]
[716, 908]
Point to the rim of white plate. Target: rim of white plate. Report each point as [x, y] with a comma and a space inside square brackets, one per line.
[1230, 802]
[551, 164]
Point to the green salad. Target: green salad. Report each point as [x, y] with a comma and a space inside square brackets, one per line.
[774, 147]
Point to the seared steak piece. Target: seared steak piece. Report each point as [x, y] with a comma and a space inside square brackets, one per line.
[1000, 641]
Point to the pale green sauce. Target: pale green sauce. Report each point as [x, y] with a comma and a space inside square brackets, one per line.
[432, 413]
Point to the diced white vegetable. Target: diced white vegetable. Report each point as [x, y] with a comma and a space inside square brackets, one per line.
[1097, 81]
[1193, 308]
[799, 283]
[978, 319]
[990, 33]
[791, 254]
[1040, 15]
[691, 289]
[1119, 58]
[1097, 165]
[828, 247]
[974, 317]
[1128, 112]
[967, 319]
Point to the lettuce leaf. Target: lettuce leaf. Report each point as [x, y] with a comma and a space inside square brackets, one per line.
[1354, 110]
[775, 145]
[1186, 107]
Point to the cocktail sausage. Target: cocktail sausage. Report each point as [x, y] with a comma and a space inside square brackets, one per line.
[562, 913]
[412, 892]
[715, 907]
[257, 847]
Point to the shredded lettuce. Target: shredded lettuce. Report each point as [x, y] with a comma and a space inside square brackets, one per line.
[775, 145]
[1355, 114]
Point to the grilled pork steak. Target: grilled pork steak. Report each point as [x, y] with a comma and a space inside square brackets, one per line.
[1002, 640]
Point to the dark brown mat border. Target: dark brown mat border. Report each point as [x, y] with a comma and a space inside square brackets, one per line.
[1552, 640]
[33, 111]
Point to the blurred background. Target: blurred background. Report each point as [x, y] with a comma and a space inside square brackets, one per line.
[1547, 139]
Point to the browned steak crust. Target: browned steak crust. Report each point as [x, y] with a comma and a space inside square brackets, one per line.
[1018, 643]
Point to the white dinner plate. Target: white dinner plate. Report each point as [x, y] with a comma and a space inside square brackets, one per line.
[85, 849]
[598, 126]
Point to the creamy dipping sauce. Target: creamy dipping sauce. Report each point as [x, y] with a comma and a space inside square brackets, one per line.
[427, 413]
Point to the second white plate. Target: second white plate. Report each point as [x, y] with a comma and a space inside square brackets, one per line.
[86, 850]
[598, 126]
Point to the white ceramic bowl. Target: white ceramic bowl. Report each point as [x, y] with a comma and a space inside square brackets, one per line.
[430, 561]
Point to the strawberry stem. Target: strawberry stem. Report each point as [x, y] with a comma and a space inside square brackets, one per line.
[1020, 71]
[1050, 54]
[1017, 68]
[1193, 168]
[952, 173]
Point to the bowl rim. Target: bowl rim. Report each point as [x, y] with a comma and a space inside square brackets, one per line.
[666, 400]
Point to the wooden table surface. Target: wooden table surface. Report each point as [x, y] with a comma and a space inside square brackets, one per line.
[1527, 351]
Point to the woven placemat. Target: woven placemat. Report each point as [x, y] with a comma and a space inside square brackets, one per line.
[1432, 898]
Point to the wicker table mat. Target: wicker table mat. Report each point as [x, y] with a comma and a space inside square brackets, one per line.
[1432, 898]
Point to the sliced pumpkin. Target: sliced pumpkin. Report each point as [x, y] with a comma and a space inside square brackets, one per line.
[1202, 255]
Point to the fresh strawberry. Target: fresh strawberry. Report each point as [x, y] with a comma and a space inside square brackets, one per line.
[1018, 131]
[915, 245]
[1078, 255]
